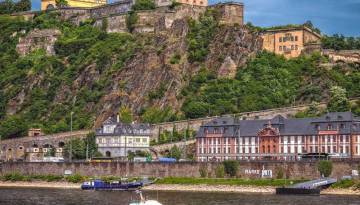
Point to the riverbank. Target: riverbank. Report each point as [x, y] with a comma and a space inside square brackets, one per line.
[175, 187]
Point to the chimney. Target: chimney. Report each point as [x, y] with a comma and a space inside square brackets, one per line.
[117, 118]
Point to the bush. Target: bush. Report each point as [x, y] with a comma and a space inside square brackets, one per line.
[15, 177]
[231, 167]
[220, 171]
[346, 183]
[144, 5]
[325, 168]
[279, 173]
[203, 171]
[76, 178]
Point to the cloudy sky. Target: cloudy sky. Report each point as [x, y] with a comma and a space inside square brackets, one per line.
[331, 16]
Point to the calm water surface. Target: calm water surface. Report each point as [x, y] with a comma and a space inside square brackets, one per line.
[26, 196]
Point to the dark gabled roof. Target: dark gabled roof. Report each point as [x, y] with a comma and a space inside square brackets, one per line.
[344, 122]
[124, 128]
[335, 117]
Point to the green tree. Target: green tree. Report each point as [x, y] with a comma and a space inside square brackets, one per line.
[220, 171]
[144, 5]
[78, 149]
[61, 3]
[22, 5]
[325, 168]
[91, 146]
[175, 152]
[231, 167]
[338, 100]
[51, 152]
[130, 156]
[12, 127]
[125, 114]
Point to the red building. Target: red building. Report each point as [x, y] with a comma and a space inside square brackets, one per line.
[334, 134]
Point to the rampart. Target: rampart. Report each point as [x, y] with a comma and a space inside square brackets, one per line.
[162, 17]
[346, 56]
[291, 170]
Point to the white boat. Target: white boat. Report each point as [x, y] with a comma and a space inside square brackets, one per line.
[142, 201]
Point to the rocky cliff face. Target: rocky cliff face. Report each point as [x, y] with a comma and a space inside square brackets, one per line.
[95, 76]
[151, 69]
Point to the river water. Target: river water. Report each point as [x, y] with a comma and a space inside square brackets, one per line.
[27, 196]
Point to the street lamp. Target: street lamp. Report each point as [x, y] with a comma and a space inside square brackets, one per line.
[71, 122]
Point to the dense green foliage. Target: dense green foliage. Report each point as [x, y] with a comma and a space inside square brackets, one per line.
[200, 35]
[231, 167]
[61, 3]
[174, 152]
[220, 171]
[80, 46]
[174, 136]
[10, 6]
[338, 100]
[144, 5]
[125, 114]
[267, 81]
[81, 147]
[340, 42]
[325, 168]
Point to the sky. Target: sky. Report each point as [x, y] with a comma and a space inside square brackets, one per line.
[331, 16]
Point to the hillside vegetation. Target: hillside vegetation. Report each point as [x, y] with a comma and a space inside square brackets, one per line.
[157, 77]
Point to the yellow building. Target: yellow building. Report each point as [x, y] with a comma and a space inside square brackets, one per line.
[50, 4]
[291, 42]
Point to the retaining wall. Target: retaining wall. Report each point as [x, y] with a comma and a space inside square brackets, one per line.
[294, 170]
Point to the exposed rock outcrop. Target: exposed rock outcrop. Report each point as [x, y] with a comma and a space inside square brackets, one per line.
[38, 39]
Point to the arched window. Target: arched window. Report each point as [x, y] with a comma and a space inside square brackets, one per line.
[50, 7]
[108, 154]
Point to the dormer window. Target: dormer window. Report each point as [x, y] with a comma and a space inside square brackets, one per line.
[340, 117]
[342, 126]
[327, 117]
[329, 127]
[317, 127]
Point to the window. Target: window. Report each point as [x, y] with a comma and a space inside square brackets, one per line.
[292, 38]
[292, 47]
[280, 39]
[334, 149]
[284, 48]
[228, 149]
[280, 48]
[329, 127]
[284, 39]
[296, 38]
[296, 47]
[342, 126]
[347, 138]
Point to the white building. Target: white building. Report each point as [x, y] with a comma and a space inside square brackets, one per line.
[115, 139]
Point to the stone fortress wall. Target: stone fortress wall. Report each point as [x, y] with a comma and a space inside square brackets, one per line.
[161, 17]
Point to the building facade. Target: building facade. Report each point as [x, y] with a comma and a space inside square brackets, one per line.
[334, 134]
[116, 139]
[51, 4]
[291, 42]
